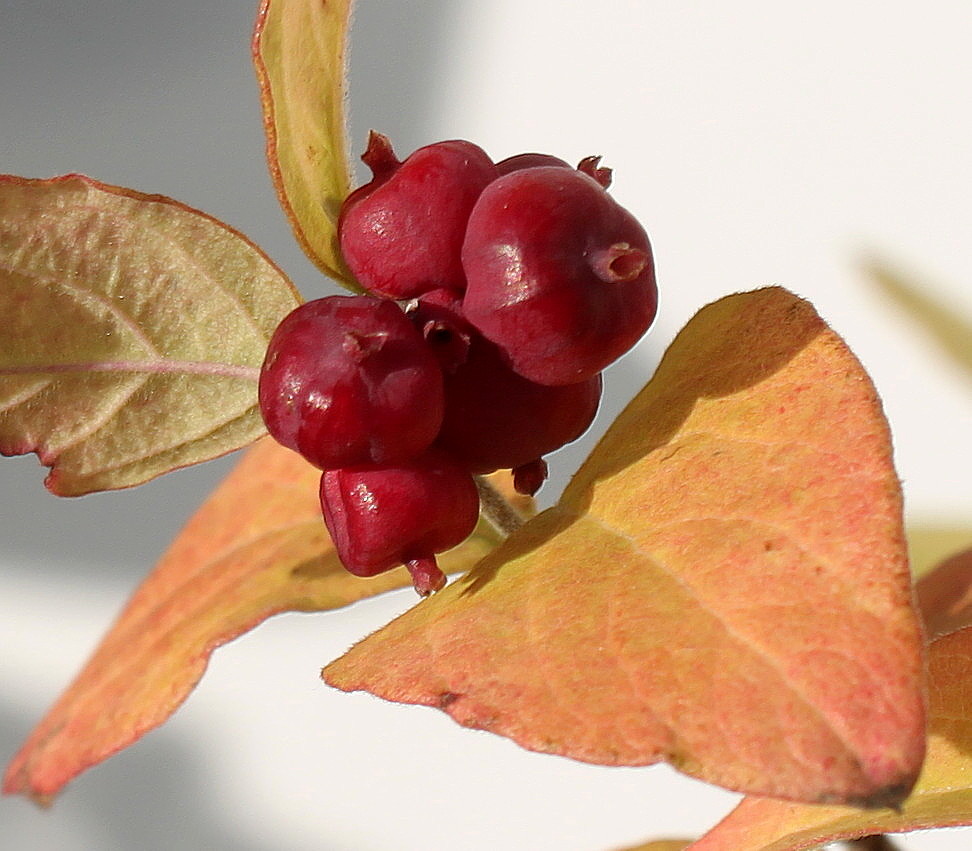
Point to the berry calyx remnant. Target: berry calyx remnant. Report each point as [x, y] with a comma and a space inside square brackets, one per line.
[495, 418]
[401, 233]
[497, 294]
[559, 276]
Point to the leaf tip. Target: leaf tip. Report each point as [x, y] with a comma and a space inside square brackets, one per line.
[16, 781]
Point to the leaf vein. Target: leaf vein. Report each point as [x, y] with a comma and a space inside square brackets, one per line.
[189, 259]
[162, 365]
[726, 624]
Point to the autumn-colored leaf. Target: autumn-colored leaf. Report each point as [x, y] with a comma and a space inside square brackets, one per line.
[945, 595]
[723, 585]
[257, 547]
[133, 332]
[942, 796]
[299, 53]
[661, 845]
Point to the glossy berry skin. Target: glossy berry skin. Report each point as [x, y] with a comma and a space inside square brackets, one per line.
[348, 380]
[529, 160]
[401, 234]
[380, 517]
[495, 418]
[559, 276]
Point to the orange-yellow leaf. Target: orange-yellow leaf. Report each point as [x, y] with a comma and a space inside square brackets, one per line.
[299, 52]
[257, 547]
[661, 845]
[723, 585]
[942, 796]
[945, 595]
[133, 332]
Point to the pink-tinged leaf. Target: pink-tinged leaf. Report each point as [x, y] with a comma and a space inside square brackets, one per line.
[257, 547]
[723, 585]
[299, 51]
[942, 797]
[945, 595]
[133, 332]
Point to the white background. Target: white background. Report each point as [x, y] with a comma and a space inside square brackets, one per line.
[759, 142]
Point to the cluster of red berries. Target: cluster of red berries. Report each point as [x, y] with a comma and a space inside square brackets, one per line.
[497, 294]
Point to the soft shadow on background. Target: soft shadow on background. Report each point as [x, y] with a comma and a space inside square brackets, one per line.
[160, 98]
[758, 141]
[187, 126]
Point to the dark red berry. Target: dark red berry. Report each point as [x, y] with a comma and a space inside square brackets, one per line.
[529, 478]
[380, 517]
[559, 275]
[348, 380]
[591, 166]
[401, 234]
[531, 160]
[438, 317]
[495, 418]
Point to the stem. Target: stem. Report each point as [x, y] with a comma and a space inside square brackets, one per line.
[495, 508]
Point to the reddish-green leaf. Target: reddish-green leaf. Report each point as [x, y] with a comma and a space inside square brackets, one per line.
[942, 796]
[723, 586]
[945, 595]
[299, 52]
[133, 332]
[257, 547]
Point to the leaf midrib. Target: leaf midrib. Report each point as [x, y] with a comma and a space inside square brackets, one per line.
[162, 366]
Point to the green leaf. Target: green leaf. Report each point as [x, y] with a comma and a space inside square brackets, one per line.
[134, 329]
[299, 51]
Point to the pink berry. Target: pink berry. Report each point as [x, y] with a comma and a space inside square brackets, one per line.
[380, 517]
[495, 418]
[559, 276]
[348, 380]
[401, 234]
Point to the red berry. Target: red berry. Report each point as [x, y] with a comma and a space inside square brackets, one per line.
[401, 234]
[531, 160]
[529, 478]
[591, 166]
[559, 275]
[380, 517]
[495, 418]
[348, 380]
